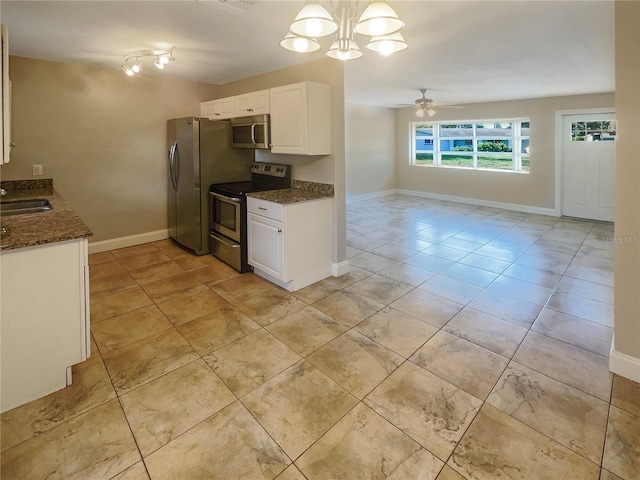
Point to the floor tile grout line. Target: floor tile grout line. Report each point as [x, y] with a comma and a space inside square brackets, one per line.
[534, 427]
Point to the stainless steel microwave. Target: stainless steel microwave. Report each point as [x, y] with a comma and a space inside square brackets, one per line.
[251, 132]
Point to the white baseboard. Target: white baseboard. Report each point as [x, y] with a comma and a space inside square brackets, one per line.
[369, 196]
[624, 365]
[339, 269]
[483, 203]
[128, 241]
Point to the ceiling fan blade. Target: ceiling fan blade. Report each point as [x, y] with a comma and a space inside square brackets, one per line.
[439, 105]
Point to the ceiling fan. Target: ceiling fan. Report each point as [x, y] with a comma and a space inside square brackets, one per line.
[428, 106]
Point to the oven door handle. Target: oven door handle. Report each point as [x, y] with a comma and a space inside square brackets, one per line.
[230, 245]
[224, 197]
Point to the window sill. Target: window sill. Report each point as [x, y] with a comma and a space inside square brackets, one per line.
[492, 170]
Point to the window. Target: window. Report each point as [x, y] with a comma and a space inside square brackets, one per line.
[604, 131]
[491, 144]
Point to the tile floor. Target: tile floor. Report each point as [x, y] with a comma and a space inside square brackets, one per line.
[466, 343]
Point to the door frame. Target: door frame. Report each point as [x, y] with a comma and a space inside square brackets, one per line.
[558, 145]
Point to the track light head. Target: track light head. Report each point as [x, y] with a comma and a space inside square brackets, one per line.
[133, 63]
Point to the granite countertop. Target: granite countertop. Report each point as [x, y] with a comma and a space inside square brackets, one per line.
[301, 191]
[30, 229]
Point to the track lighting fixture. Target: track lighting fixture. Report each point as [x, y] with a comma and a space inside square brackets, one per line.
[378, 20]
[133, 63]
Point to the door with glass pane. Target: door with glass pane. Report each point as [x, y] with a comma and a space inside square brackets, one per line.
[588, 166]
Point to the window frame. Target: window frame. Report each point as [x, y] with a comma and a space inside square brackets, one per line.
[516, 139]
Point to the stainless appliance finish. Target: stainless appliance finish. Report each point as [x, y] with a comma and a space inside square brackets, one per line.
[228, 211]
[199, 154]
[251, 132]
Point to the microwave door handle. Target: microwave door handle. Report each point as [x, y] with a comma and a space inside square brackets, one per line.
[253, 133]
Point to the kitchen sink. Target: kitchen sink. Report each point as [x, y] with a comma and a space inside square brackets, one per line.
[18, 207]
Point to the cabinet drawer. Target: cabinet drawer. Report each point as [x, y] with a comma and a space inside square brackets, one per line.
[267, 209]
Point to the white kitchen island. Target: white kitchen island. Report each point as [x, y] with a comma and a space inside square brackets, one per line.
[44, 301]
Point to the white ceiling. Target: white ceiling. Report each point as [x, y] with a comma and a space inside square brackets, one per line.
[463, 51]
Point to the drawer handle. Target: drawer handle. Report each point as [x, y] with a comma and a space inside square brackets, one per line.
[262, 208]
[279, 230]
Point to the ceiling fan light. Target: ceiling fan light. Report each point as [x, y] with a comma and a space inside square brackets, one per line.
[313, 21]
[420, 113]
[351, 54]
[299, 44]
[378, 19]
[430, 111]
[387, 44]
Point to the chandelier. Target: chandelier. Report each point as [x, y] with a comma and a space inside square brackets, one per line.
[377, 21]
[133, 63]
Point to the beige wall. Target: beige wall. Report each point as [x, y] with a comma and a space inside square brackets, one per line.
[370, 140]
[536, 189]
[627, 254]
[101, 136]
[324, 169]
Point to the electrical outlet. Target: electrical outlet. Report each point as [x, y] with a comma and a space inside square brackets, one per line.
[37, 169]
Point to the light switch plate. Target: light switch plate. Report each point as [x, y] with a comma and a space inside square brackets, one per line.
[37, 169]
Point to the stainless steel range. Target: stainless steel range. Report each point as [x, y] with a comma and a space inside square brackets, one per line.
[228, 211]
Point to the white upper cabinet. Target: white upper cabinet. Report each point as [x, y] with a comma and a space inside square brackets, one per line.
[301, 119]
[227, 107]
[5, 127]
[219, 109]
[254, 103]
[300, 115]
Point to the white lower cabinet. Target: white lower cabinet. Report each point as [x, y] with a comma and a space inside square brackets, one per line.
[45, 318]
[290, 245]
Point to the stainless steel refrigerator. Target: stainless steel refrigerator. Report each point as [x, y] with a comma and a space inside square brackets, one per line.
[199, 154]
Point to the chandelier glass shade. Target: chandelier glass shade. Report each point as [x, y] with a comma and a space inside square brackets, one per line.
[313, 21]
[299, 44]
[133, 63]
[378, 20]
[387, 45]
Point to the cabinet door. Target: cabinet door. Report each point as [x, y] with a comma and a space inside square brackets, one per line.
[289, 119]
[210, 110]
[227, 107]
[254, 103]
[266, 245]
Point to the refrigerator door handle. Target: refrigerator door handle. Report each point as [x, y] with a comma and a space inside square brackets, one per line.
[172, 155]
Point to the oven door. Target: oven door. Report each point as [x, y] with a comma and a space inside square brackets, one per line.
[225, 215]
